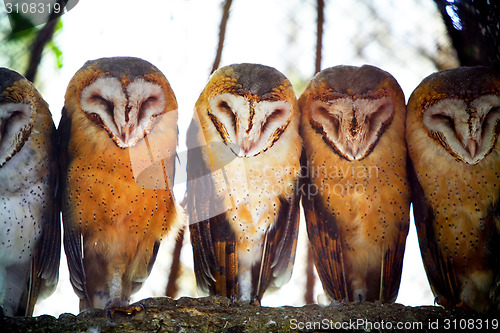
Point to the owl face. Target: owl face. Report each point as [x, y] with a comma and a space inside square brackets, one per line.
[124, 97]
[17, 114]
[351, 107]
[465, 123]
[249, 113]
[468, 131]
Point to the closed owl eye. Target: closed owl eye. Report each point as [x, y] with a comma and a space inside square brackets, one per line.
[442, 117]
[321, 115]
[278, 115]
[149, 102]
[108, 105]
[8, 120]
[224, 107]
[16, 121]
[14, 115]
[378, 118]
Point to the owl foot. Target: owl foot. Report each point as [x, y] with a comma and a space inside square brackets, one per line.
[233, 299]
[255, 301]
[336, 303]
[128, 310]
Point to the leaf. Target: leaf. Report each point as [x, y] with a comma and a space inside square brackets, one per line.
[58, 54]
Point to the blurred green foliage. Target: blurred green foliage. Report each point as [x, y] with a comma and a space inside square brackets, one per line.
[17, 34]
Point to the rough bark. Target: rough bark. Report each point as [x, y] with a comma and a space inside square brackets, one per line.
[217, 314]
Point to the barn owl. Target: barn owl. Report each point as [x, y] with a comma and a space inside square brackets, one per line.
[452, 131]
[243, 173]
[30, 231]
[358, 198]
[118, 135]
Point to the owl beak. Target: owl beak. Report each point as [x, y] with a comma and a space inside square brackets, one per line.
[246, 146]
[472, 147]
[125, 132]
[355, 148]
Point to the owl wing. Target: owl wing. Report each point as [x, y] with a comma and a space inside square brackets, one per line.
[325, 243]
[495, 243]
[393, 265]
[212, 238]
[44, 272]
[72, 237]
[280, 245]
[438, 267]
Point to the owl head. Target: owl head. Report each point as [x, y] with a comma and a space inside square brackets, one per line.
[19, 104]
[350, 107]
[460, 109]
[249, 106]
[122, 95]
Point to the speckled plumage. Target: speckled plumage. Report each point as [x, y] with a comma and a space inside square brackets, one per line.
[118, 134]
[456, 190]
[243, 171]
[30, 229]
[357, 196]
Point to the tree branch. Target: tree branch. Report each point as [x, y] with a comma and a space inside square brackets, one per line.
[319, 35]
[43, 37]
[222, 34]
[310, 278]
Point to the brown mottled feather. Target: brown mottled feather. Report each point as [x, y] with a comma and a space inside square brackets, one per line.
[224, 233]
[280, 245]
[455, 197]
[33, 163]
[114, 190]
[326, 247]
[357, 238]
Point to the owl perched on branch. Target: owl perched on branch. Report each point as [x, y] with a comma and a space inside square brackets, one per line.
[243, 172]
[30, 230]
[118, 136]
[452, 133]
[357, 196]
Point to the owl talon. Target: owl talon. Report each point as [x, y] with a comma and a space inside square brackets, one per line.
[233, 299]
[255, 301]
[129, 310]
[336, 303]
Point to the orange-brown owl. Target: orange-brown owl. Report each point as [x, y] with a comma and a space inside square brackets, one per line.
[357, 196]
[452, 133]
[30, 230]
[118, 135]
[243, 171]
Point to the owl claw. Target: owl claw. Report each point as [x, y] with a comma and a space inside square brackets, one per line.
[255, 301]
[128, 310]
[335, 303]
[233, 299]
